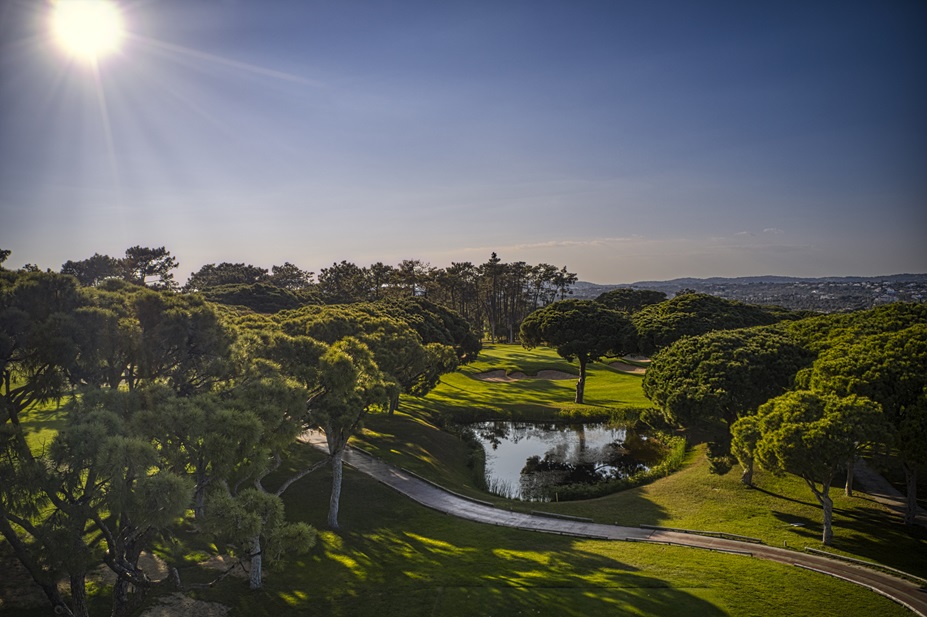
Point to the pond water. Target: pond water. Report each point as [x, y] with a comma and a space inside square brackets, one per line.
[529, 461]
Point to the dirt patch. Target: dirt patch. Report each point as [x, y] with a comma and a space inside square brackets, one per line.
[179, 605]
[224, 563]
[500, 375]
[152, 565]
[624, 367]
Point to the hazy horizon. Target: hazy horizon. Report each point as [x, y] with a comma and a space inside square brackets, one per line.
[625, 141]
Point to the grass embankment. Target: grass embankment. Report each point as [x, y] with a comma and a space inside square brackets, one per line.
[394, 557]
[412, 439]
[780, 510]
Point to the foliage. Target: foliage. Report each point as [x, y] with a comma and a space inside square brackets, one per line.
[577, 329]
[141, 265]
[254, 521]
[673, 460]
[95, 269]
[225, 273]
[259, 297]
[888, 368]
[350, 383]
[722, 375]
[692, 314]
[407, 365]
[630, 300]
[437, 324]
[812, 436]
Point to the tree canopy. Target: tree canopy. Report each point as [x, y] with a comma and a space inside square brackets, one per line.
[630, 300]
[691, 314]
[812, 436]
[888, 368]
[580, 330]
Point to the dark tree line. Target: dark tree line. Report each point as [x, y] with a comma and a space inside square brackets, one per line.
[171, 403]
[494, 297]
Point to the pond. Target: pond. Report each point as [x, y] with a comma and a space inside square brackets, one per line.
[530, 461]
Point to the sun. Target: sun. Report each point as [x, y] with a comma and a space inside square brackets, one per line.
[87, 29]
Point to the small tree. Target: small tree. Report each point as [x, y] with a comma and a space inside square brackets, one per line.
[350, 384]
[577, 329]
[254, 522]
[745, 433]
[812, 436]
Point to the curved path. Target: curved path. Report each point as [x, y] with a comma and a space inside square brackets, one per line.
[900, 590]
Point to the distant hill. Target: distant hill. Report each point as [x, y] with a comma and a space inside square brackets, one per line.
[824, 294]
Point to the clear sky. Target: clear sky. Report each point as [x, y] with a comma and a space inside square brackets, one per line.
[626, 140]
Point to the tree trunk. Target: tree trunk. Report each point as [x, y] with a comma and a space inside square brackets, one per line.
[199, 497]
[393, 404]
[848, 487]
[910, 477]
[746, 477]
[128, 596]
[79, 595]
[255, 579]
[337, 473]
[581, 382]
[828, 505]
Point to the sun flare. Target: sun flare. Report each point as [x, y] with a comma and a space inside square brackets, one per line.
[87, 29]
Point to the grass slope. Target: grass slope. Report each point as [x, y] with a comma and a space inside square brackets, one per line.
[781, 510]
[394, 557]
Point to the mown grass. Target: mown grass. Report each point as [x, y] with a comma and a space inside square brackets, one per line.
[462, 398]
[781, 510]
[394, 557]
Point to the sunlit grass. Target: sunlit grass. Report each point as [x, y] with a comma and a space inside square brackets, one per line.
[461, 397]
[42, 422]
[394, 557]
[781, 510]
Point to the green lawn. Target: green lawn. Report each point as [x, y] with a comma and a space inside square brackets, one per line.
[781, 511]
[461, 397]
[394, 557]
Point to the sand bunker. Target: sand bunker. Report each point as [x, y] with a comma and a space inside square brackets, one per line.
[500, 375]
[624, 367]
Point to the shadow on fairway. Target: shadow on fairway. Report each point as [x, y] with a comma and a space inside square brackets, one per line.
[395, 557]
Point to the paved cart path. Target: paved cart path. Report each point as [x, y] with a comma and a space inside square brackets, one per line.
[902, 591]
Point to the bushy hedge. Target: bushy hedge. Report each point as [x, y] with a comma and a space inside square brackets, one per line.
[674, 459]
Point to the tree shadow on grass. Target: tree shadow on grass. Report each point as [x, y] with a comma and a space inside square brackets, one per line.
[881, 536]
[760, 489]
[394, 557]
[804, 529]
[865, 529]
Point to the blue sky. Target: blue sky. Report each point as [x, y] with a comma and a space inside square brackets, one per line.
[626, 140]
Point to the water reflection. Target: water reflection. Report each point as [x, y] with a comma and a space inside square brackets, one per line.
[529, 461]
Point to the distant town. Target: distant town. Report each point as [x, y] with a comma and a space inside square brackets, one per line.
[825, 295]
